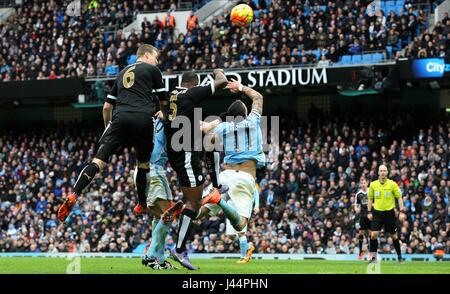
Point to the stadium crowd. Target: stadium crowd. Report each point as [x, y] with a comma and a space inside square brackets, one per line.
[306, 194]
[42, 42]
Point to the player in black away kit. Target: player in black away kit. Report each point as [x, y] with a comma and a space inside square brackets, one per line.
[134, 96]
[186, 160]
[361, 208]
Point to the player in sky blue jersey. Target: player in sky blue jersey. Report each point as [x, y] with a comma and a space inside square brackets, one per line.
[242, 144]
[159, 199]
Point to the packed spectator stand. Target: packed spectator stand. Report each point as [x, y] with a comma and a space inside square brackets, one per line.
[306, 194]
[41, 42]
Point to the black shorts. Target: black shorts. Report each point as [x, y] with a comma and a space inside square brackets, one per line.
[128, 129]
[188, 167]
[364, 223]
[384, 219]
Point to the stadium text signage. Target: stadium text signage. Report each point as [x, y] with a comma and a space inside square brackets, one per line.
[429, 68]
[262, 78]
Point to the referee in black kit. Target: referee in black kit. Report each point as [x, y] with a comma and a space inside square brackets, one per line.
[137, 94]
[382, 195]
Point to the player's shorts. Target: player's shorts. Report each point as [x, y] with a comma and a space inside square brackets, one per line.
[214, 209]
[127, 129]
[364, 223]
[158, 186]
[188, 167]
[384, 219]
[241, 190]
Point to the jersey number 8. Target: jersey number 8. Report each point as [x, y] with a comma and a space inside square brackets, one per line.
[128, 77]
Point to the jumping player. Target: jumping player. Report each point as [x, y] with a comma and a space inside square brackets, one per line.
[242, 141]
[134, 97]
[159, 199]
[186, 162]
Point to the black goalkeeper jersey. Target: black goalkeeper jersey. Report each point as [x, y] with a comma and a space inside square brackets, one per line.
[138, 88]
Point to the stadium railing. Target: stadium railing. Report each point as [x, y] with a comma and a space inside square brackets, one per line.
[182, 6]
[7, 3]
[267, 67]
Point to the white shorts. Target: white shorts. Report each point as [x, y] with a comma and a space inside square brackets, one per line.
[240, 195]
[158, 186]
[241, 190]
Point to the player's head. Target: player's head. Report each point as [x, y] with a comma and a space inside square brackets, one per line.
[148, 53]
[382, 172]
[363, 182]
[237, 108]
[189, 79]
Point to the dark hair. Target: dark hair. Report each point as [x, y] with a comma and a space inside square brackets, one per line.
[146, 48]
[237, 108]
[189, 77]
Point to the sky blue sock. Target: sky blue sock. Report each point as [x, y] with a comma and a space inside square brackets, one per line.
[243, 245]
[160, 243]
[230, 212]
[152, 250]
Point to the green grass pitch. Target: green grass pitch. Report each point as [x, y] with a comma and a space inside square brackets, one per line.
[42, 265]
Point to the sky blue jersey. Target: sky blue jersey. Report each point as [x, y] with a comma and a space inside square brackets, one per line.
[242, 141]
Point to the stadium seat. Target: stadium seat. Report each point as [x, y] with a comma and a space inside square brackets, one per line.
[357, 59]
[307, 11]
[390, 3]
[367, 58]
[346, 59]
[131, 59]
[377, 57]
[400, 3]
[111, 70]
[317, 53]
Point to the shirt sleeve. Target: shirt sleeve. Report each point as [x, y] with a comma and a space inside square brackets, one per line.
[200, 93]
[158, 84]
[358, 199]
[112, 95]
[370, 194]
[396, 190]
[219, 129]
[254, 116]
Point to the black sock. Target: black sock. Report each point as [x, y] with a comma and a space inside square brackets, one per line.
[360, 243]
[141, 185]
[397, 248]
[374, 245]
[212, 160]
[184, 229]
[85, 178]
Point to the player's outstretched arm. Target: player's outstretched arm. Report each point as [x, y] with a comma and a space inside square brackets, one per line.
[235, 87]
[207, 127]
[220, 80]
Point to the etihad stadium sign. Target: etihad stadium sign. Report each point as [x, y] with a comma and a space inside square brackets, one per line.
[262, 78]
